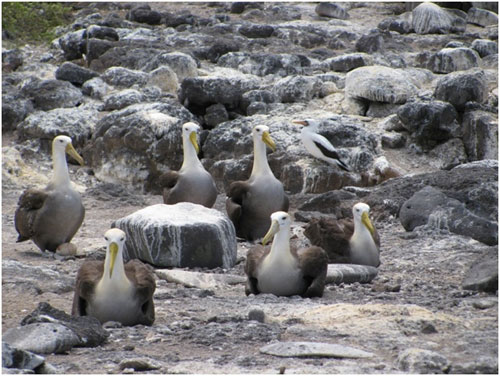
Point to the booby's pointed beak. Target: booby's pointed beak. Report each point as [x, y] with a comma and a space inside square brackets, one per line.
[268, 140]
[194, 141]
[113, 251]
[275, 227]
[365, 219]
[301, 122]
[71, 151]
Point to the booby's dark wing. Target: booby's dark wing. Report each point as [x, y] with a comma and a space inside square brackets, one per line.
[255, 256]
[142, 278]
[331, 153]
[89, 274]
[27, 209]
[313, 261]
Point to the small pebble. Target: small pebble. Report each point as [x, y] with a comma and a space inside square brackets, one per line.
[257, 315]
[483, 304]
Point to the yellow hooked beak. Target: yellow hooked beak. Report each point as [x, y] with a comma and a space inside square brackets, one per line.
[275, 227]
[71, 151]
[365, 219]
[301, 122]
[268, 140]
[192, 138]
[113, 251]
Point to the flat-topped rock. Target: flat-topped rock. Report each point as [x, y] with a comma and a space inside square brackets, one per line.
[316, 349]
[180, 235]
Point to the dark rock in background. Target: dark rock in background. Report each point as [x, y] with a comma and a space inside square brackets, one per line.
[483, 272]
[458, 88]
[331, 10]
[74, 73]
[431, 207]
[143, 14]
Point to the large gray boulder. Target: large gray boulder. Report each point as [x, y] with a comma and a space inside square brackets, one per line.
[379, 84]
[74, 73]
[480, 135]
[331, 10]
[119, 76]
[206, 91]
[20, 359]
[481, 17]
[433, 120]
[429, 18]
[297, 89]
[432, 207]
[78, 123]
[348, 62]
[182, 64]
[485, 47]
[180, 235]
[483, 272]
[260, 64]
[49, 94]
[453, 59]
[135, 145]
[458, 88]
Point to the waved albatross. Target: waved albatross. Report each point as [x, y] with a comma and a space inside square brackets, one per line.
[192, 183]
[283, 270]
[318, 145]
[51, 216]
[251, 202]
[110, 290]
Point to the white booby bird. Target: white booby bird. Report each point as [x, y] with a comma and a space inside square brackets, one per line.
[52, 216]
[318, 145]
[110, 290]
[283, 270]
[192, 183]
[364, 243]
[251, 202]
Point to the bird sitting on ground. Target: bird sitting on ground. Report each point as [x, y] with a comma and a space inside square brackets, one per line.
[283, 270]
[110, 290]
[51, 216]
[318, 145]
[192, 183]
[251, 202]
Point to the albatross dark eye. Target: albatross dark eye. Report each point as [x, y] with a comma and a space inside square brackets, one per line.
[106, 238]
[122, 239]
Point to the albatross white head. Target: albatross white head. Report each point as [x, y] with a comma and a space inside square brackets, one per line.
[361, 213]
[261, 138]
[113, 264]
[190, 144]
[279, 232]
[60, 146]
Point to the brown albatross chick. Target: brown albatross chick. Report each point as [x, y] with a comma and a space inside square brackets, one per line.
[110, 290]
[51, 216]
[283, 270]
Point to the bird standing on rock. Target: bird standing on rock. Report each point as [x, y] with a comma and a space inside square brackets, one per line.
[283, 270]
[192, 183]
[318, 145]
[51, 216]
[114, 291]
[251, 202]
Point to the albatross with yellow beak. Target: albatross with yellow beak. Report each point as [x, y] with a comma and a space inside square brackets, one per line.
[51, 216]
[364, 242]
[114, 291]
[192, 183]
[251, 202]
[283, 270]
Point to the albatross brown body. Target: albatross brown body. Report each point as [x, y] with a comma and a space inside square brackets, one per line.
[113, 291]
[51, 216]
[283, 270]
